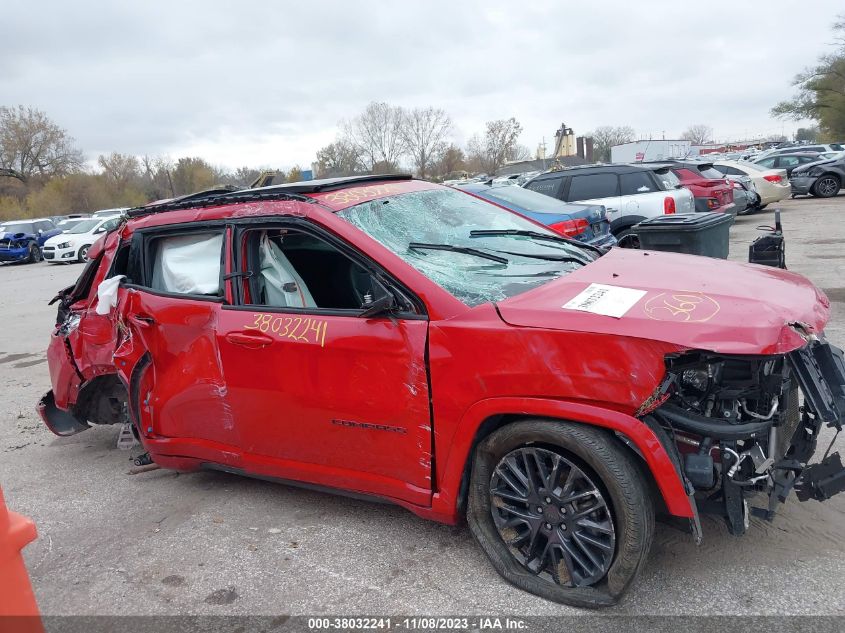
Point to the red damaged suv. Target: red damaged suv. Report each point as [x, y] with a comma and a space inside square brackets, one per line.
[391, 337]
[712, 191]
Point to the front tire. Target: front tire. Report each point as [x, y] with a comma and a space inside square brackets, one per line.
[826, 186]
[34, 254]
[561, 510]
[83, 253]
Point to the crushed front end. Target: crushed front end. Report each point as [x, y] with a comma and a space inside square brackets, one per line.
[14, 247]
[745, 436]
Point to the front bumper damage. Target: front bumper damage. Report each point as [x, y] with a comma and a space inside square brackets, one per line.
[820, 369]
[744, 435]
[801, 185]
[14, 254]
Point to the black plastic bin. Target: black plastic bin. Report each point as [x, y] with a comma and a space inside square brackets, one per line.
[694, 234]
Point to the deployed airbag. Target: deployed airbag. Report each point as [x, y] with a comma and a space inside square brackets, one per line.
[188, 264]
[283, 287]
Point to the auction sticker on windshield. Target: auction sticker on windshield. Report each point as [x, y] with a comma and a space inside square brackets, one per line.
[612, 301]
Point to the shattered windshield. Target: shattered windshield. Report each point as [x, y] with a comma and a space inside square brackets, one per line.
[433, 231]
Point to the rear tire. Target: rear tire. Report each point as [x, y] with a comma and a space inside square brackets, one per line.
[620, 498]
[628, 238]
[826, 186]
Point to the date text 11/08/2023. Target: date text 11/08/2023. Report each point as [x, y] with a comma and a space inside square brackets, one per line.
[421, 623]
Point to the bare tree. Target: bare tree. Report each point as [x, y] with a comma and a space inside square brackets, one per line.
[31, 144]
[340, 158]
[120, 169]
[376, 133]
[243, 176]
[490, 152]
[450, 161]
[698, 134]
[608, 136]
[425, 131]
[158, 178]
[519, 152]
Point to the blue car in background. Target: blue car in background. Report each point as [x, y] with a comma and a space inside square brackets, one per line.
[583, 222]
[22, 240]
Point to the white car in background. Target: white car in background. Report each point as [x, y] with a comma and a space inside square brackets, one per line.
[771, 184]
[73, 244]
[105, 213]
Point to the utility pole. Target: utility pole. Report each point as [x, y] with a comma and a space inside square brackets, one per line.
[543, 146]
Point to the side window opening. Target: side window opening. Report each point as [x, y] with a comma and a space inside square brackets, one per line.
[120, 264]
[294, 269]
[186, 263]
[593, 186]
[636, 182]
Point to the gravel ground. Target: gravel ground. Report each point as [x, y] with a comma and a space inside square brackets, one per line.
[212, 543]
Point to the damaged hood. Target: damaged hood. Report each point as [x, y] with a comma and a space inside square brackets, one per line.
[693, 302]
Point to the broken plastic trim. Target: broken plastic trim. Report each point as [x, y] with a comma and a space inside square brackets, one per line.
[820, 368]
[59, 421]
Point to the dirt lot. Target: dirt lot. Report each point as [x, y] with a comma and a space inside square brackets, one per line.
[213, 543]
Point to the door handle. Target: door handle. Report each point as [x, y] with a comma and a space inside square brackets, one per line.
[251, 340]
[142, 320]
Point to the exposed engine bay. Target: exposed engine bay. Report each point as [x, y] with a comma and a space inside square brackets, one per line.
[744, 435]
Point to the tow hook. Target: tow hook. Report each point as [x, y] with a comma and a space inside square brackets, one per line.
[823, 480]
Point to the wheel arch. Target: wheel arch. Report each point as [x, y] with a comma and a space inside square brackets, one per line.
[488, 416]
[625, 222]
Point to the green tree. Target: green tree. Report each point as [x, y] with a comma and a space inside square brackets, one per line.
[821, 91]
[450, 161]
[340, 158]
[295, 174]
[193, 174]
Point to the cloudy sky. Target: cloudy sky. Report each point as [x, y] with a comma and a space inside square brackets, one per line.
[266, 83]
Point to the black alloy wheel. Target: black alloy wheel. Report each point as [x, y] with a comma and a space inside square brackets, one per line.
[827, 186]
[561, 509]
[553, 517]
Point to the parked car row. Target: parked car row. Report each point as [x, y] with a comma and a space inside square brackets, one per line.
[57, 239]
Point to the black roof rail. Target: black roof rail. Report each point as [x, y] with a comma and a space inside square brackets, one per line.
[327, 184]
[196, 201]
[232, 195]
